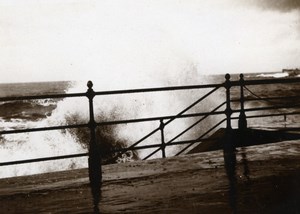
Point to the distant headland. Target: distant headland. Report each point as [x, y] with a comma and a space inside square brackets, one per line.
[292, 72]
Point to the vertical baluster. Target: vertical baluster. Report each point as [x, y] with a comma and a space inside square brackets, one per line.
[228, 110]
[95, 168]
[242, 116]
[228, 144]
[163, 145]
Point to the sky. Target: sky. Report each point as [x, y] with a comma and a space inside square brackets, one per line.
[145, 41]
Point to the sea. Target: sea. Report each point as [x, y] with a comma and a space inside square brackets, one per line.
[15, 115]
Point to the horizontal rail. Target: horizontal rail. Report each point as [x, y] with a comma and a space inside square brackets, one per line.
[43, 159]
[38, 97]
[266, 98]
[159, 145]
[117, 122]
[136, 148]
[115, 92]
[269, 115]
[266, 81]
[51, 128]
[159, 89]
[149, 119]
[145, 90]
[267, 108]
[272, 107]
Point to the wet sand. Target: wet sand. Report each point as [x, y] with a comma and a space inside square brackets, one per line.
[254, 179]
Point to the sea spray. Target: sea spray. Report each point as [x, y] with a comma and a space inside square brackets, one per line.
[106, 138]
[33, 145]
[107, 108]
[37, 145]
[131, 106]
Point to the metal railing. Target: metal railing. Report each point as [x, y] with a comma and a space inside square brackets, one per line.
[163, 121]
[94, 151]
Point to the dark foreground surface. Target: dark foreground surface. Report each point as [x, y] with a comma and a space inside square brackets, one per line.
[255, 179]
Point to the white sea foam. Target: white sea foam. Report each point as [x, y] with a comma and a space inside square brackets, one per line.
[274, 75]
[37, 145]
[107, 108]
[45, 102]
[33, 145]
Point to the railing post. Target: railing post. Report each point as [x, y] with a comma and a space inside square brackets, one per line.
[228, 144]
[94, 161]
[242, 123]
[242, 116]
[163, 145]
[228, 110]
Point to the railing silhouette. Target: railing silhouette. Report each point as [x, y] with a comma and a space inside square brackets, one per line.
[165, 120]
[94, 152]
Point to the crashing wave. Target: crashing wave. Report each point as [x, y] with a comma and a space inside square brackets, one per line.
[274, 75]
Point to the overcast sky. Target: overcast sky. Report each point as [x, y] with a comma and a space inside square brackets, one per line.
[145, 40]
